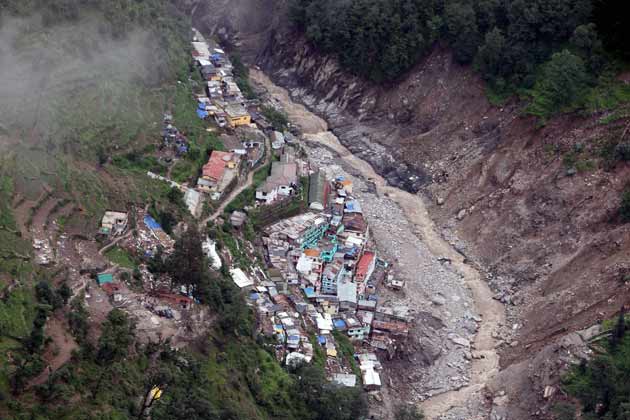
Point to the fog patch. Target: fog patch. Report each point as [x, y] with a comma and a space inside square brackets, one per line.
[43, 68]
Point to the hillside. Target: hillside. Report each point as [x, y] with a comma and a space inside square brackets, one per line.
[508, 121]
[537, 206]
[83, 91]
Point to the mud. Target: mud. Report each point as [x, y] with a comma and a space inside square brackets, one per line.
[485, 364]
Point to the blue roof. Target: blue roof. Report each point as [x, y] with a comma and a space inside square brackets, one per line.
[152, 223]
[201, 114]
[353, 207]
[321, 339]
[340, 323]
[309, 292]
[254, 296]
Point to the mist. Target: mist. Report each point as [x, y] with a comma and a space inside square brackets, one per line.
[45, 68]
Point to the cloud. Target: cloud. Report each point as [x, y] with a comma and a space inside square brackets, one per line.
[42, 68]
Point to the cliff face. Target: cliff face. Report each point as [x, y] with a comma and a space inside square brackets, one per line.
[530, 204]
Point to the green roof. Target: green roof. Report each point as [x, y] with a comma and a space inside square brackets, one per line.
[316, 188]
[105, 278]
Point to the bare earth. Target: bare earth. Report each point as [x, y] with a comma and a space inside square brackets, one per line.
[485, 360]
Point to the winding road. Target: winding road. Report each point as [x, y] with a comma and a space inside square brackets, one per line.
[235, 193]
[485, 363]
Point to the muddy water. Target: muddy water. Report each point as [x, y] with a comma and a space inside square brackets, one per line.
[485, 358]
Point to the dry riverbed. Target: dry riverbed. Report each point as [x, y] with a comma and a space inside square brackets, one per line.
[451, 353]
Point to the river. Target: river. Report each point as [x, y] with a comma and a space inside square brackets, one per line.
[468, 288]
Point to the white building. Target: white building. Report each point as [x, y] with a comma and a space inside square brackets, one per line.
[240, 278]
[209, 248]
[280, 183]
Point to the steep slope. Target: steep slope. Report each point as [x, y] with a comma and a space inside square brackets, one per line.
[537, 206]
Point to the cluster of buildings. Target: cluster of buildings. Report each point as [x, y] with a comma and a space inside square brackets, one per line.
[222, 99]
[321, 283]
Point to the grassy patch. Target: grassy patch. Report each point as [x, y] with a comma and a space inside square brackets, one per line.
[120, 257]
[319, 355]
[183, 170]
[14, 251]
[346, 349]
[609, 93]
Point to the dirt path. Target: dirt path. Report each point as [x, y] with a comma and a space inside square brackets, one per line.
[112, 244]
[58, 352]
[248, 183]
[486, 360]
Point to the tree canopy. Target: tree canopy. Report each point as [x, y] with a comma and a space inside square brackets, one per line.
[508, 40]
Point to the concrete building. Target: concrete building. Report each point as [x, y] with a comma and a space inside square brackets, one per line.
[113, 223]
[237, 115]
[240, 278]
[347, 295]
[318, 191]
[365, 266]
[280, 183]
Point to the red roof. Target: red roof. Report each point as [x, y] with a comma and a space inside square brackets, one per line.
[110, 288]
[364, 263]
[216, 165]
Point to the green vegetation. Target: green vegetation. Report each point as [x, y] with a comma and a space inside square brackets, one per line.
[278, 119]
[135, 161]
[14, 251]
[408, 412]
[201, 141]
[241, 75]
[248, 196]
[121, 257]
[563, 83]
[601, 385]
[516, 45]
[345, 347]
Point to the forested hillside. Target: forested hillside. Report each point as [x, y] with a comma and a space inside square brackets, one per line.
[514, 44]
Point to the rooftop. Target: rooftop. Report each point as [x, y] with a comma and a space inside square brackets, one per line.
[215, 167]
[236, 111]
[363, 266]
[240, 278]
[281, 174]
[354, 222]
[295, 226]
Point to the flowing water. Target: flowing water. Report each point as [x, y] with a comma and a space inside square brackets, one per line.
[485, 362]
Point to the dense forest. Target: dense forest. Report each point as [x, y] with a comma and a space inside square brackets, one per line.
[512, 43]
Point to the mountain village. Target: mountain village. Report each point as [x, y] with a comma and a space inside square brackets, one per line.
[315, 291]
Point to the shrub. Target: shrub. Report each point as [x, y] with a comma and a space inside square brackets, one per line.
[624, 207]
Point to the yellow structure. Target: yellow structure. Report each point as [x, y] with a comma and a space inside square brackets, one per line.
[155, 394]
[237, 115]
